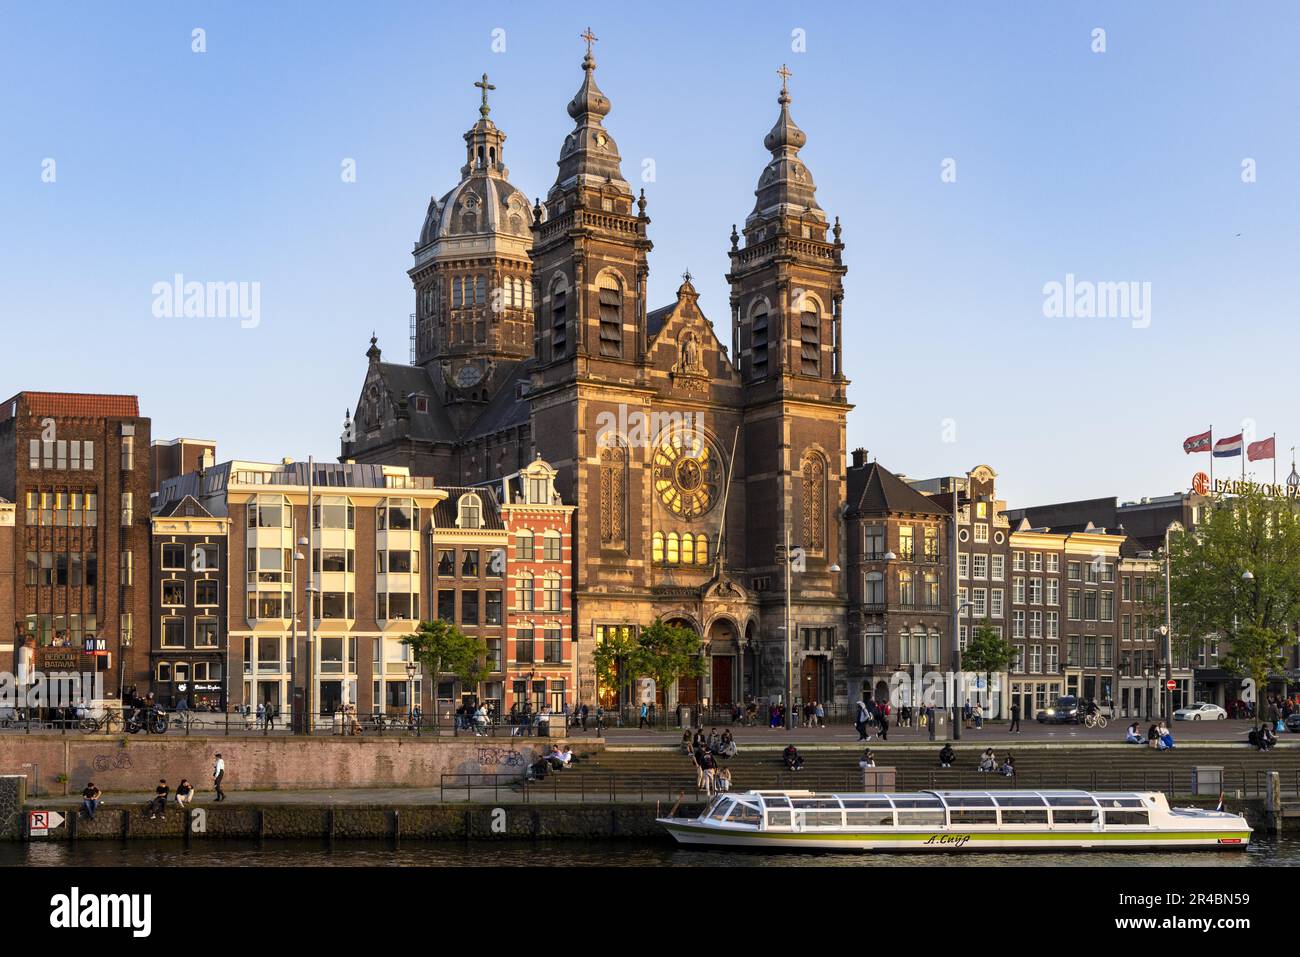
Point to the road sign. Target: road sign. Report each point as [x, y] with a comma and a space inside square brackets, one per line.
[1171, 684]
[40, 823]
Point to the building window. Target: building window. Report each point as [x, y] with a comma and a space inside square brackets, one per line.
[873, 543]
[1035, 591]
[128, 453]
[524, 592]
[1018, 591]
[173, 557]
[963, 565]
[551, 593]
[173, 632]
[399, 514]
[551, 546]
[995, 603]
[173, 593]
[1089, 605]
[980, 601]
[981, 567]
[469, 608]
[469, 564]
[758, 340]
[874, 589]
[552, 645]
[1072, 571]
[1053, 624]
[999, 567]
[524, 645]
[207, 593]
[1053, 563]
[206, 634]
[1053, 591]
[447, 563]
[333, 511]
[446, 604]
[559, 321]
[906, 590]
[128, 513]
[1036, 561]
[611, 317]
[873, 647]
[524, 545]
[932, 589]
[1017, 624]
[470, 511]
[906, 544]
[613, 494]
[492, 608]
[1036, 659]
[1073, 608]
[981, 533]
[1018, 665]
[1107, 610]
[125, 568]
[810, 348]
[1018, 561]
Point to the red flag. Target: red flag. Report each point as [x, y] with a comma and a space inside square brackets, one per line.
[1197, 443]
[1262, 450]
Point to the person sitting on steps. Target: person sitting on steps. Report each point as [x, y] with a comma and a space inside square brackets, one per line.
[947, 756]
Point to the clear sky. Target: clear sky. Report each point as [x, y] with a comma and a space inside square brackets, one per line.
[1117, 166]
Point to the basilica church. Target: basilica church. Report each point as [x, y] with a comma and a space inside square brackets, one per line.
[691, 461]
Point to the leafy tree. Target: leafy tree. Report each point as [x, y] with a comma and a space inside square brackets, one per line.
[611, 659]
[667, 653]
[442, 648]
[988, 652]
[1212, 594]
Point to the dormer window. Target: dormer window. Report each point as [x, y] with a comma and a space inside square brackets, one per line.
[470, 511]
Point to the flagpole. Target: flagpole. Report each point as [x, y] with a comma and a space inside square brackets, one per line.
[1211, 460]
[1275, 458]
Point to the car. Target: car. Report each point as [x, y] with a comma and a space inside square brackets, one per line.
[1200, 711]
[1293, 721]
[1064, 711]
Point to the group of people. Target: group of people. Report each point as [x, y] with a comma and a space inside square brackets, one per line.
[557, 759]
[872, 717]
[705, 750]
[1158, 736]
[988, 762]
[1262, 738]
[722, 745]
[92, 797]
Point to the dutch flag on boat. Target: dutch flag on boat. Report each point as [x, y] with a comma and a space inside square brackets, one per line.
[1219, 806]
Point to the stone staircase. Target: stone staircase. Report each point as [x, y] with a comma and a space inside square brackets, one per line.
[622, 773]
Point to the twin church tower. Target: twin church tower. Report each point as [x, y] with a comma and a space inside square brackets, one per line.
[534, 338]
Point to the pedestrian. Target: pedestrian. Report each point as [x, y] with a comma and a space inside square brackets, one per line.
[821, 714]
[90, 798]
[600, 719]
[861, 723]
[184, 792]
[218, 775]
[270, 717]
[1015, 718]
[929, 721]
[645, 715]
[584, 717]
[261, 714]
[979, 715]
[967, 715]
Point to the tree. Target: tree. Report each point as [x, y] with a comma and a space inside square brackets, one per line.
[442, 648]
[667, 653]
[1237, 576]
[611, 659]
[988, 652]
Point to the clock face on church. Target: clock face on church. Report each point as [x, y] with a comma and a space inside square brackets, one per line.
[687, 474]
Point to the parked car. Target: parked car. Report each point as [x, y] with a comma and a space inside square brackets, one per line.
[1064, 711]
[1200, 711]
[1293, 721]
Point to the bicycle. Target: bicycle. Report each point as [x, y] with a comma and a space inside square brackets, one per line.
[110, 723]
[1095, 720]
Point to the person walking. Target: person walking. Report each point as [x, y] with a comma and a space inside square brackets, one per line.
[218, 775]
[929, 721]
[861, 722]
[645, 715]
[883, 716]
[261, 715]
[584, 717]
[1015, 718]
[978, 711]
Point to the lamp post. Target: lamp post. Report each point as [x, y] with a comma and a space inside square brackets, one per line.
[411, 669]
[293, 592]
[1167, 630]
[783, 555]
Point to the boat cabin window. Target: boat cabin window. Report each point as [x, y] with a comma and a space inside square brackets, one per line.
[1026, 815]
[1081, 815]
[777, 801]
[717, 811]
[1127, 818]
[874, 803]
[1105, 801]
[1019, 800]
[1071, 800]
[973, 815]
[743, 813]
[870, 817]
[823, 818]
[917, 802]
[778, 818]
[934, 818]
[829, 803]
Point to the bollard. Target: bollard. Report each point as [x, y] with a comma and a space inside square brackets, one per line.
[1273, 801]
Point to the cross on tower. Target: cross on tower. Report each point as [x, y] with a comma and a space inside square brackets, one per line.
[590, 38]
[484, 85]
[687, 276]
[784, 73]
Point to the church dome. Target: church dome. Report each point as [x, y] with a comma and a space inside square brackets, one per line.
[478, 206]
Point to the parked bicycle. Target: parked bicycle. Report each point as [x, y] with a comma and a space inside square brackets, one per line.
[109, 722]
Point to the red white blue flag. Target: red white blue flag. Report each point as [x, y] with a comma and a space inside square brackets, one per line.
[1227, 448]
[1197, 443]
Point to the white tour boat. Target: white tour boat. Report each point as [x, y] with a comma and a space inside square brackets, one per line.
[957, 821]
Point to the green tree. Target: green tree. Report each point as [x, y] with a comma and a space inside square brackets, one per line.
[611, 659]
[442, 648]
[1237, 576]
[667, 653]
[988, 653]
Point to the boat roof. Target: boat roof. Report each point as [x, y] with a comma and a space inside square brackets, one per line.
[951, 798]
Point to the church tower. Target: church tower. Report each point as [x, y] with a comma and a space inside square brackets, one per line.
[473, 278]
[786, 307]
[589, 279]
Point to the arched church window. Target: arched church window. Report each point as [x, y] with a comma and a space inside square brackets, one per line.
[758, 343]
[611, 316]
[657, 548]
[457, 296]
[688, 549]
[814, 502]
[701, 549]
[674, 549]
[613, 494]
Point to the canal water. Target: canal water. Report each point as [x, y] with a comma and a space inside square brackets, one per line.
[1277, 851]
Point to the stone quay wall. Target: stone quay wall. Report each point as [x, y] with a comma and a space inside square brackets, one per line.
[62, 764]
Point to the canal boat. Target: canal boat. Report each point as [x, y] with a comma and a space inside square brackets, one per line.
[1012, 820]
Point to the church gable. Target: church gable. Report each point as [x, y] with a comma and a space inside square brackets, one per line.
[684, 345]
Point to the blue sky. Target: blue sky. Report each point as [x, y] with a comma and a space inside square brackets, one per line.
[1120, 166]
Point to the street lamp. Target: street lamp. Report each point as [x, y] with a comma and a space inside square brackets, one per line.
[1167, 629]
[411, 669]
[955, 733]
[293, 594]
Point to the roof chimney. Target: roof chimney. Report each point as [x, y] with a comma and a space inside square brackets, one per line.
[859, 457]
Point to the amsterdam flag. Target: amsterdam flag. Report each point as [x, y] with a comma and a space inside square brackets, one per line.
[1197, 443]
[1267, 449]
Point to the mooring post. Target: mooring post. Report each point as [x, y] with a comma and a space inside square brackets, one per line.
[1273, 801]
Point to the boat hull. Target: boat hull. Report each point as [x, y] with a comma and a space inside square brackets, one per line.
[690, 831]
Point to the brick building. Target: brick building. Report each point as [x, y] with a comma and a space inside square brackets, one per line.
[75, 467]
